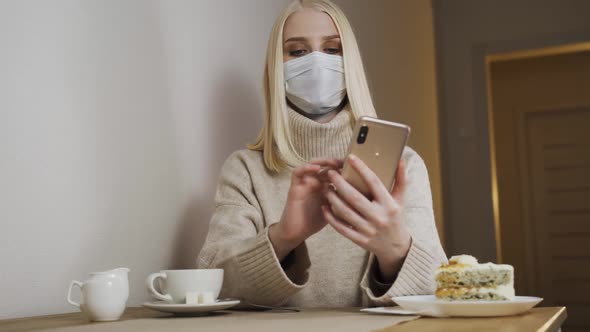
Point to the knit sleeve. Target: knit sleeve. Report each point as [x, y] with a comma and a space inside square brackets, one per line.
[238, 242]
[416, 276]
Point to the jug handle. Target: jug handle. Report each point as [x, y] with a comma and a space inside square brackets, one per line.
[72, 284]
[150, 285]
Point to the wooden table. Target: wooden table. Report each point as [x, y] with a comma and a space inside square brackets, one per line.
[341, 320]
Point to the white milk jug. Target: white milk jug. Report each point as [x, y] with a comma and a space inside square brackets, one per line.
[104, 294]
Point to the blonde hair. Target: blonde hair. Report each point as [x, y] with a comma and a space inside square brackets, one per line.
[274, 140]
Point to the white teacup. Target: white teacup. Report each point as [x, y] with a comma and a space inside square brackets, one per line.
[176, 284]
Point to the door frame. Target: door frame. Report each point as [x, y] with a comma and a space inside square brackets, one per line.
[520, 122]
[478, 117]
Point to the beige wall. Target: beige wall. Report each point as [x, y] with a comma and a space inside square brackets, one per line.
[467, 30]
[115, 117]
[397, 43]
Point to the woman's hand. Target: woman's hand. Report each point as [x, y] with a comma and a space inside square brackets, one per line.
[376, 225]
[302, 215]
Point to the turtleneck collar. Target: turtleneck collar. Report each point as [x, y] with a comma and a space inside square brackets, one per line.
[312, 139]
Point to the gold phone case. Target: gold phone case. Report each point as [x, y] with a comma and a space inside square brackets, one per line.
[381, 150]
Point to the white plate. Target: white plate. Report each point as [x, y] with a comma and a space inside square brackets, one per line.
[179, 308]
[429, 305]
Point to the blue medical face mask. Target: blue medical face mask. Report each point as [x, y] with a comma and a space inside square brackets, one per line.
[315, 83]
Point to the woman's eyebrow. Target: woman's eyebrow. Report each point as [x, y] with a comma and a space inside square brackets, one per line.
[331, 37]
[302, 39]
[292, 39]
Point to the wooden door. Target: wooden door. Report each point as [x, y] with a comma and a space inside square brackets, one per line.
[541, 137]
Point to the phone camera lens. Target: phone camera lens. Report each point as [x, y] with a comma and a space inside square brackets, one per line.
[362, 137]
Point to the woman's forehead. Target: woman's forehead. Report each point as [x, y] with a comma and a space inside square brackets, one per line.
[309, 23]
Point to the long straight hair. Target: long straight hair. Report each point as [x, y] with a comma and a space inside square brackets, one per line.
[274, 140]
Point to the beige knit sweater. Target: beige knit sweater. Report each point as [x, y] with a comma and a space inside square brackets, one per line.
[327, 270]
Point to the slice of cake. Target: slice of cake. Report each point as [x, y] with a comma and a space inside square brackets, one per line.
[464, 279]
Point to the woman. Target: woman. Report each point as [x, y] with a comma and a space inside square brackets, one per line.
[286, 231]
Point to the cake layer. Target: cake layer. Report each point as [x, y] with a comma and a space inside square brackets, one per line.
[480, 275]
[498, 293]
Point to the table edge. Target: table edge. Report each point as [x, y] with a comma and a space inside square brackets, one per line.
[555, 323]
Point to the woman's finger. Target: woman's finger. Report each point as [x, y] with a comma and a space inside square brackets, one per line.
[317, 168]
[344, 212]
[376, 187]
[328, 162]
[350, 194]
[341, 227]
[306, 169]
[400, 182]
[300, 172]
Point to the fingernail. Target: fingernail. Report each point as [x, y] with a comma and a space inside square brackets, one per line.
[352, 157]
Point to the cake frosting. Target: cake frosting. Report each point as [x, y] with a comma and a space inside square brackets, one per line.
[463, 260]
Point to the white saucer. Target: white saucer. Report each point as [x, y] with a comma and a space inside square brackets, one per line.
[181, 308]
[429, 305]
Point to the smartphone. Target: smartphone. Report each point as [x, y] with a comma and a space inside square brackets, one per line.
[379, 144]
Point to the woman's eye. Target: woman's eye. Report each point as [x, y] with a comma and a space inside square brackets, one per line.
[333, 50]
[299, 52]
